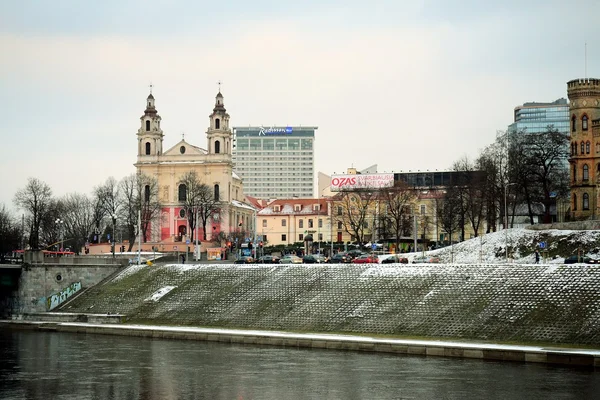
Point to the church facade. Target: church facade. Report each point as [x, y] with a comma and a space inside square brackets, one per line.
[213, 166]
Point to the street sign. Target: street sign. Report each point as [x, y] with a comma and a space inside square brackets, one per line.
[542, 245]
[174, 247]
[187, 241]
[247, 239]
[374, 246]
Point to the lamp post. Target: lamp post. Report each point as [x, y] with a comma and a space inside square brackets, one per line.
[61, 224]
[506, 185]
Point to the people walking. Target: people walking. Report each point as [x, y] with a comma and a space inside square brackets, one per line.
[537, 257]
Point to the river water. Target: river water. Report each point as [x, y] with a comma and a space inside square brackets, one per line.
[38, 365]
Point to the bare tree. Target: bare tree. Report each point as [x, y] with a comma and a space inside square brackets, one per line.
[396, 204]
[448, 211]
[36, 200]
[110, 200]
[10, 232]
[357, 209]
[78, 213]
[200, 201]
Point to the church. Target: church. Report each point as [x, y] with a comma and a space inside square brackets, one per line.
[214, 168]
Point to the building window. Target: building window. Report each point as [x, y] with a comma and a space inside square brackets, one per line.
[297, 207]
[422, 209]
[339, 224]
[147, 126]
[587, 147]
[216, 192]
[310, 223]
[586, 201]
[573, 123]
[586, 172]
[147, 193]
[283, 237]
[147, 148]
[301, 223]
[182, 213]
[339, 210]
[582, 148]
[366, 224]
[217, 123]
[283, 222]
[584, 123]
[182, 149]
[301, 237]
[574, 173]
[574, 202]
[264, 223]
[217, 147]
[182, 195]
[320, 237]
[320, 223]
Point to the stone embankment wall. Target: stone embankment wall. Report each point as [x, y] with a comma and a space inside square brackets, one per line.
[520, 303]
[42, 285]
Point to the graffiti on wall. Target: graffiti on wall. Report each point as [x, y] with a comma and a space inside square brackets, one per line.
[56, 299]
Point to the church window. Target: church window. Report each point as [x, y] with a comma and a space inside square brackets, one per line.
[586, 201]
[216, 192]
[147, 148]
[584, 123]
[147, 193]
[574, 202]
[217, 123]
[182, 192]
[586, 172]
[573, 123]
[182, 149]
[587, 147]
[582, 148]
[301, 223]
[147, 126]
[217, 147]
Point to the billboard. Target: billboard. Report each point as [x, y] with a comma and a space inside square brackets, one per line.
[361, 181]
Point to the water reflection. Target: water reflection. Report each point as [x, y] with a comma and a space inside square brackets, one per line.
[37, 365]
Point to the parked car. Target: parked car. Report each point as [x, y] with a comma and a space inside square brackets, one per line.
[366, 259]
[314, 259]
[290, 259]
[355, 253]
[394, 259]
[268, 259]
[341, 258]
[574, 259]
[244, 260]
[425, 260]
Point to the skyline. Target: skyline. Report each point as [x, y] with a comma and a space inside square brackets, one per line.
[405, 85]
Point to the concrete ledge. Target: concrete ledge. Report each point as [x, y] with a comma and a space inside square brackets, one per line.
[482, 351]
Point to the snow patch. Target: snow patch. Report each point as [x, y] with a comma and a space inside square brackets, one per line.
[156, 296]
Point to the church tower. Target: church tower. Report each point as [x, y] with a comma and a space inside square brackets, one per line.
[150, 136]
[584, 107]
[219, 135]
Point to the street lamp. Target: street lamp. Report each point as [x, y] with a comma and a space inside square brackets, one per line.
[61, 224]
[506, 185]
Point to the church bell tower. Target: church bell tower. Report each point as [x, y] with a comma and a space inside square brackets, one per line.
[219, 135]
[150, 136]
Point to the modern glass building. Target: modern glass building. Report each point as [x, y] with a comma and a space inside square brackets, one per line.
[275, 162]
[535, 117]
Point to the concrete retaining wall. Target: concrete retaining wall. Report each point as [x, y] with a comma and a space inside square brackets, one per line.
[508, 303]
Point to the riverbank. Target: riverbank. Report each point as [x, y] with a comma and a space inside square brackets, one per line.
[482, 351]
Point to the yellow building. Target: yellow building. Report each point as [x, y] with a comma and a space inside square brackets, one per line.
[290, 221]
[584, 98]
[213, 165]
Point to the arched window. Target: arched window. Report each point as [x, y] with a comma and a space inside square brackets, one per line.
[582, 148]
[587, 147]
[586, 201]
[217, 123]
[147, 148]
[574, 173]
[182, 192]
[216, 192]
[217, 147]
[584, 123]
[574, 202]
[339, 224]
[598, 168]
[147, 126]
[586, 172]
[573, 149]
[573, 123]
[147, 193]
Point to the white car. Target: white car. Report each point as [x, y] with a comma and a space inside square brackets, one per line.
[290, 259]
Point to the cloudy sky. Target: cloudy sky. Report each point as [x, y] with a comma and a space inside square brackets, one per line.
[408, 85]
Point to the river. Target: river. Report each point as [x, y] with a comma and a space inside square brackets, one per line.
[39, 365]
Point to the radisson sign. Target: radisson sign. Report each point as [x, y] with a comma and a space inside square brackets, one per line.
[275, 131]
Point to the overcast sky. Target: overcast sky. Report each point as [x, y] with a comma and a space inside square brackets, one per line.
[408, 85]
